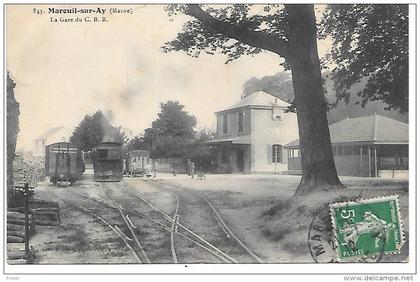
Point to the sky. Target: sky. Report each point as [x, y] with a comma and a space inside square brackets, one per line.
[64, 71]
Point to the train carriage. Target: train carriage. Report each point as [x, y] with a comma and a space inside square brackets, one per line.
[136, 162]
[63, 162]
[107, 162]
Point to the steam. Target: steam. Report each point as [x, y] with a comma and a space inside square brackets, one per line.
[106, 123]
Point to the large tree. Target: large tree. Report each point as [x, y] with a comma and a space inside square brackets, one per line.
[172, 132]
[136, 143]
[370, 42]
[12, 132]
[289, 32]
[370, 45]
[94, 129]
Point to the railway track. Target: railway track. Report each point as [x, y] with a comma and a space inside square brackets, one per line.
[135, 247]
[215, 251]
[115, 228]
[221, 222]
[161, 225]
[165, 222]
[130, 226]
[174, 229]
[230, 233]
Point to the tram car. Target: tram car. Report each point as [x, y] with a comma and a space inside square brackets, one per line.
[136, 162]
[63, 162]
[107, 162]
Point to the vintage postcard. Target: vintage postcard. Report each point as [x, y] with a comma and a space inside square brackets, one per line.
[193, 138]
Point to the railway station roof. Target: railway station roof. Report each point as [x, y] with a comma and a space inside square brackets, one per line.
[243, 139]
[259, 99]
[373, 129]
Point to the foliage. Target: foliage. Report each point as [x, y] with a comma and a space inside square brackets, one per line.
[12, 116]
[198, 36]
[369, 41]
[290, 32]
[203, 156]
[12, 131]
[171, 133]
[279, 85]
[94, 129]
[173, 120]
[136, 143]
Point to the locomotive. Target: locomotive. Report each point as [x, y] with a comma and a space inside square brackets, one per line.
[63, 162]
[107, 162]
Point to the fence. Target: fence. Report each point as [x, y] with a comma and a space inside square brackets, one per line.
[166, 164]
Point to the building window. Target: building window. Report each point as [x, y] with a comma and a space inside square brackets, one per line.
[225, 124]
[102, 154]
[277, 153]
[293, 153]
[240, 122]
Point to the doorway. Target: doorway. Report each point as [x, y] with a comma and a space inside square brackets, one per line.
[240, 160]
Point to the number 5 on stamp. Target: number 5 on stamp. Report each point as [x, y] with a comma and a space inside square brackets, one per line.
[367, 228]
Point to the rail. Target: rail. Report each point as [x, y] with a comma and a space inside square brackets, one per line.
[174, 227]
[130, 226]
[229, 231]
[169, 229]
[169, 218]
[114, 229]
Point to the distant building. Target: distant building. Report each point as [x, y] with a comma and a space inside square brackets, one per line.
[370, 146]
[52, 135]
[251, 135]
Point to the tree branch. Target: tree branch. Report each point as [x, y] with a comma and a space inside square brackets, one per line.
[253, 38]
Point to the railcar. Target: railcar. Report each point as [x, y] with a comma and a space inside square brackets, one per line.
[136, 162]
[107, 162]
[63, 162]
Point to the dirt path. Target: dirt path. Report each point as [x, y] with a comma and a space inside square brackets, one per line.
[240, 201]
[282, 238]
[79, 238]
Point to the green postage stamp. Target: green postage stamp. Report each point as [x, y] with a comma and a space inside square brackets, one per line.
[367, 227]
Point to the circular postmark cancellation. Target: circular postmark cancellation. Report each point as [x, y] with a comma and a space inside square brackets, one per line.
[356, 231]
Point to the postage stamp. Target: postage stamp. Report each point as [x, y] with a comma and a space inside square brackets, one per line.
[367, 227]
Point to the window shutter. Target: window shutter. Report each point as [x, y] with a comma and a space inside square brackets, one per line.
[269, 154]
[284, 155]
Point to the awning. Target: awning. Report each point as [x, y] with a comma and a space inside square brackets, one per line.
[244, 139]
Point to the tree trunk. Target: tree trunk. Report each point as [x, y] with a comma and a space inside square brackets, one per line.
[318, 167]
[12, 133]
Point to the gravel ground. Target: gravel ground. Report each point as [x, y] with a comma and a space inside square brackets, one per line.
[242, 201]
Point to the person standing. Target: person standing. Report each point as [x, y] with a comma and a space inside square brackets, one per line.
[174, 167]
[189, 167]
[149, 168]
[192, 169]
[155, 168]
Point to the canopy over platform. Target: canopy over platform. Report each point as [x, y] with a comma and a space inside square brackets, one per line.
[374, 129]
[243, 140]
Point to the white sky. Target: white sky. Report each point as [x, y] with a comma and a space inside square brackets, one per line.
[64, 71]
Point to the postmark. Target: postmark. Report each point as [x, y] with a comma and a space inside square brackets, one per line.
[320, 237]
[367, 228]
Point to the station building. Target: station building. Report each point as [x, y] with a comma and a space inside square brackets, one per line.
[369, 146]
[251, 135]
